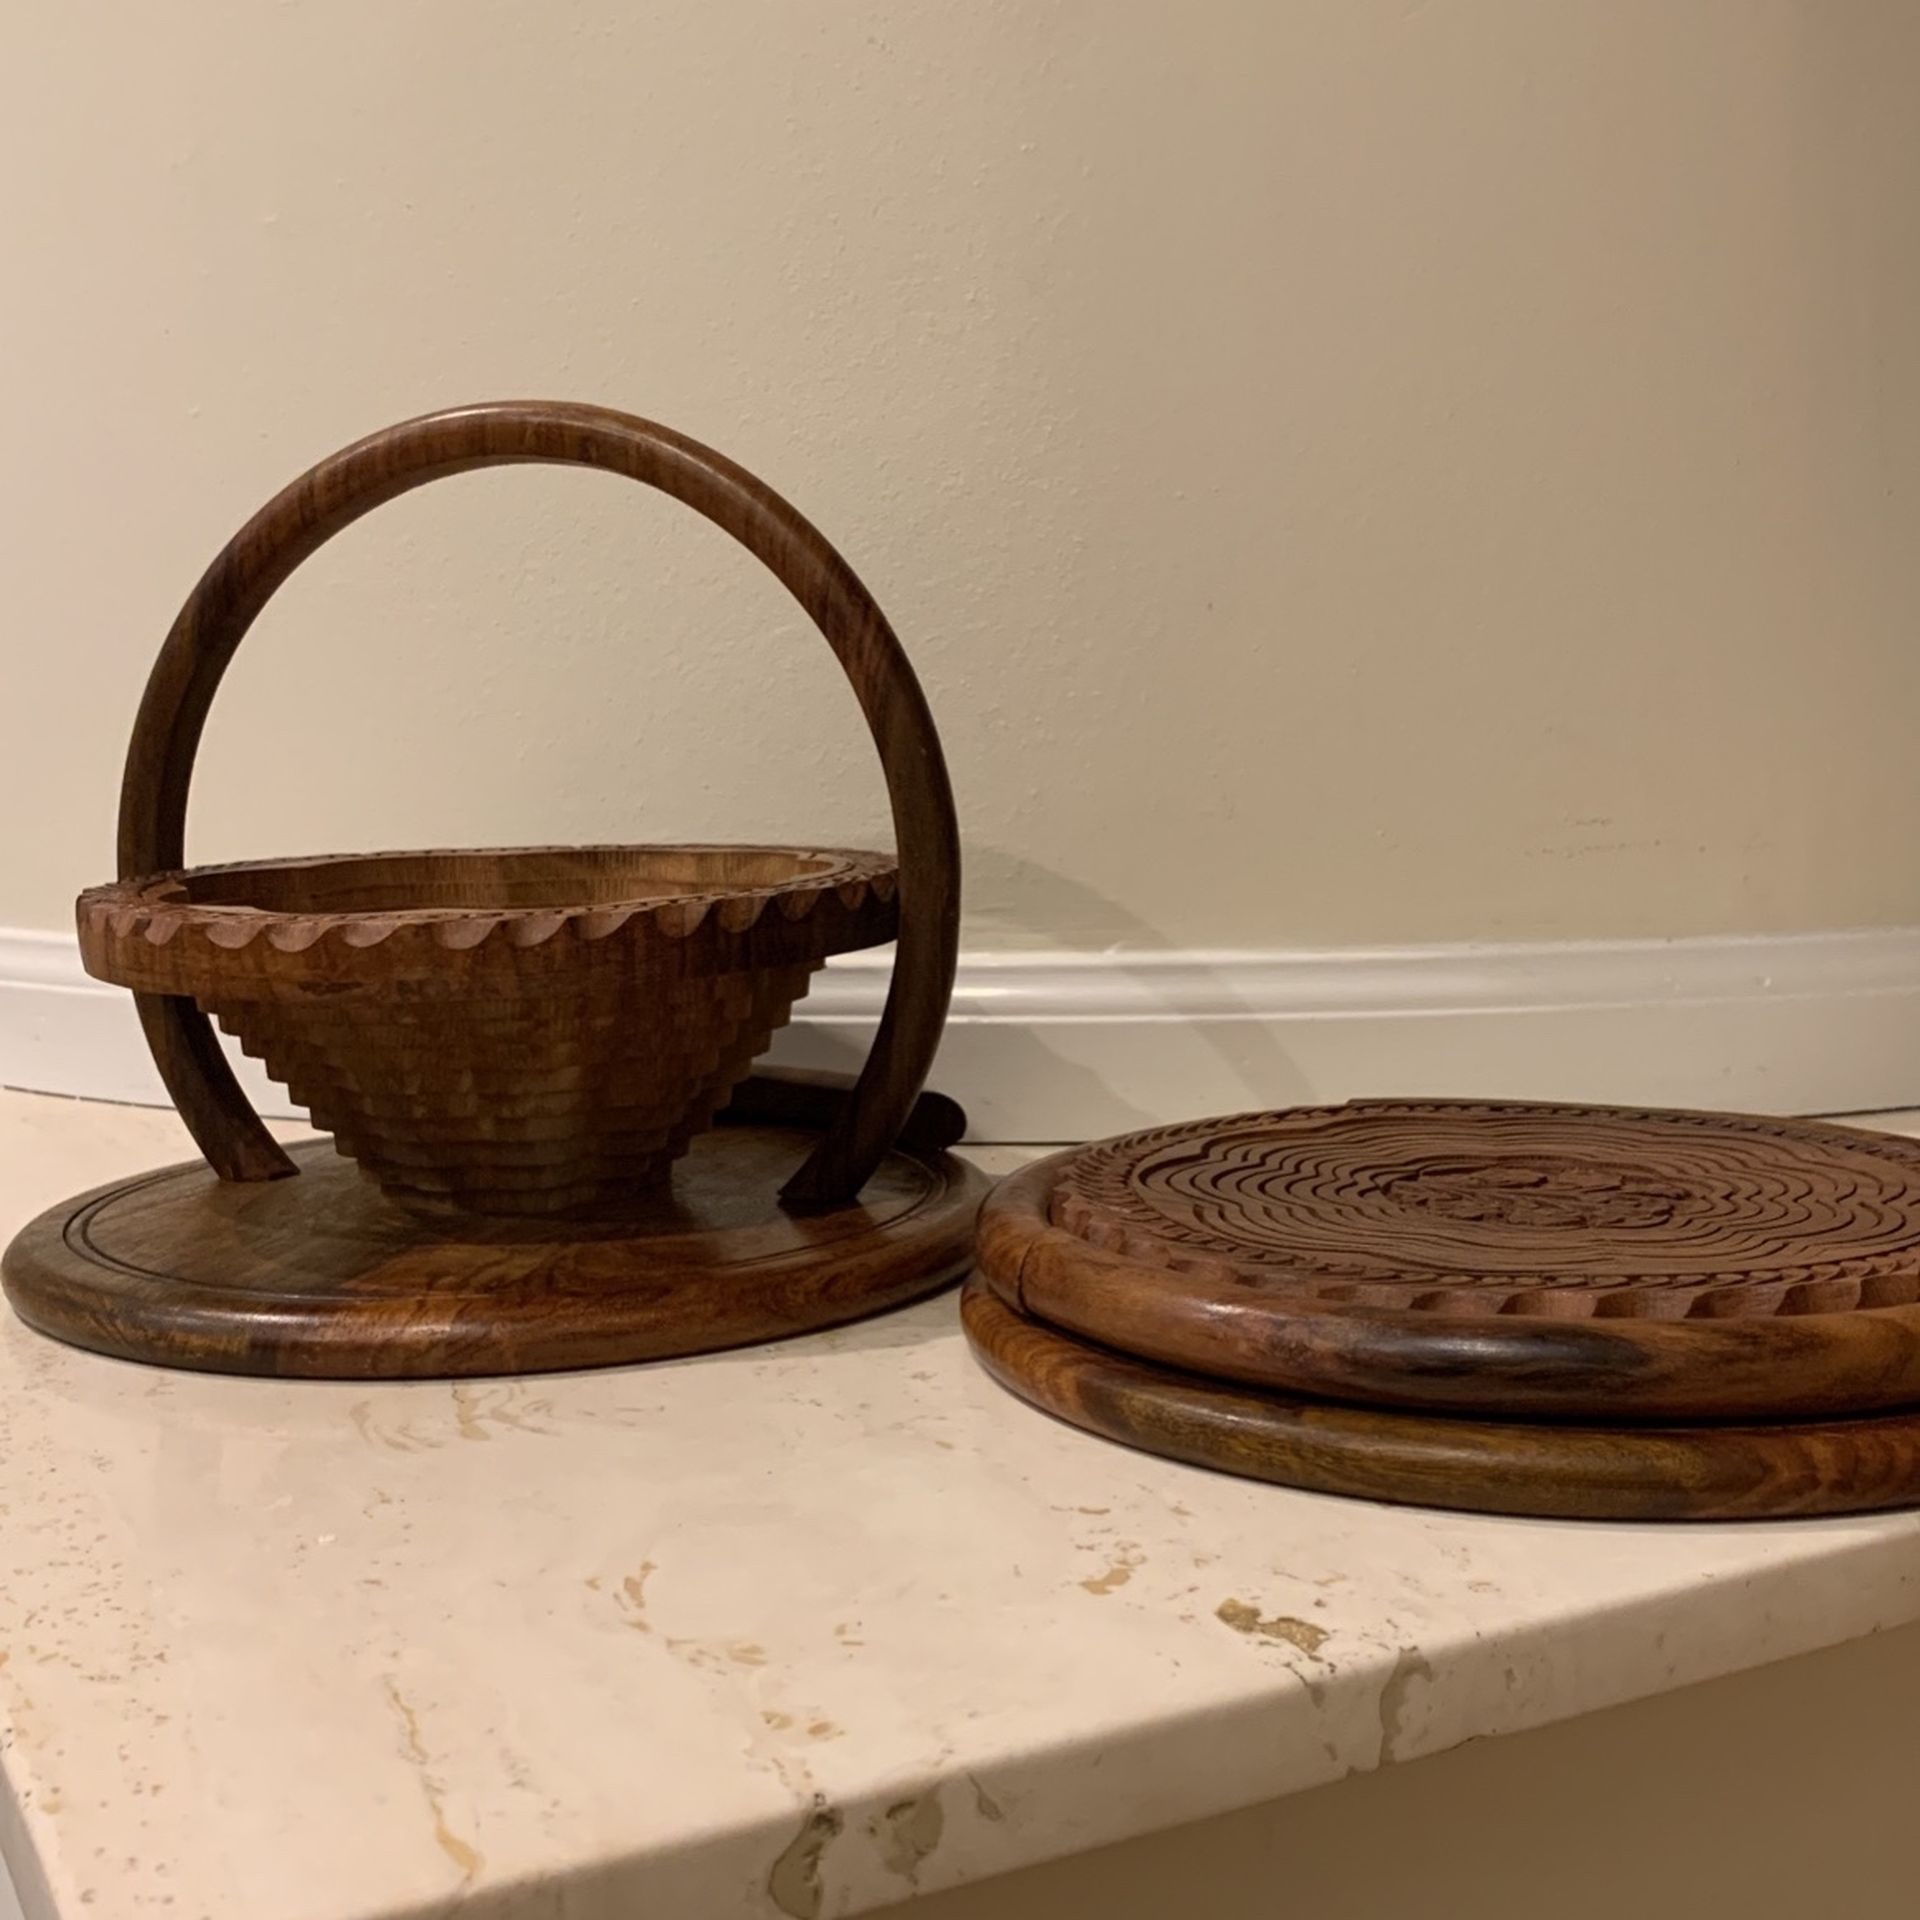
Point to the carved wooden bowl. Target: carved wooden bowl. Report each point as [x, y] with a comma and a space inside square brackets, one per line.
[529, 1031]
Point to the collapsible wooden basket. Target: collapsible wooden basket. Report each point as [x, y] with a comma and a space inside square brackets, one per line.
[517, 1045]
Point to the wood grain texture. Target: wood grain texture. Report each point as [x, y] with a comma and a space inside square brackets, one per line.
[1708, 1472]
[535, 1031]
[1558, 1262]
[361, 477]
[324, 1277]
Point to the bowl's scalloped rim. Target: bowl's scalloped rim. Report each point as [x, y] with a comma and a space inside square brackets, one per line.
[122, 911]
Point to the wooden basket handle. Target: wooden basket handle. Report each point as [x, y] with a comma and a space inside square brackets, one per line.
[332, 495]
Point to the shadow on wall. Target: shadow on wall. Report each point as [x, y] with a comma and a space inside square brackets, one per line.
[1098, 1024]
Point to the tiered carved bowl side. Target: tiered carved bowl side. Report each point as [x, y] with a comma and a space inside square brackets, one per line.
[516, 1032]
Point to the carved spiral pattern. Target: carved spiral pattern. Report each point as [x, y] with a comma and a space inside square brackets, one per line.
[1558, 1211]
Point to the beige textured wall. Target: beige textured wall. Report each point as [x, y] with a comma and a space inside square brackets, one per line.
[1345, 471]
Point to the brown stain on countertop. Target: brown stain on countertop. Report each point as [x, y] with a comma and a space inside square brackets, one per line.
[1249, 1620]
[401, 1438]
[466, 1413]
[1127, 1559]
[793, 1881]
[461, 1852]
[1408, 1667]
[633, 1597]
[908, 1831]
[481, 1412]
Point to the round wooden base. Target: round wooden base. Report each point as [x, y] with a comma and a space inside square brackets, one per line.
[321, 1276]
[1705, 1472]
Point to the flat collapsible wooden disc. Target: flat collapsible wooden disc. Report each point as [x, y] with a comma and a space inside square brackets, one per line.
[322, 1276]
[1542, 1261]
[1705, 1472]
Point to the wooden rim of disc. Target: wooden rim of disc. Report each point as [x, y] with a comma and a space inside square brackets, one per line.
[1504, 1258]
[324, 1277]
[1540, 1470]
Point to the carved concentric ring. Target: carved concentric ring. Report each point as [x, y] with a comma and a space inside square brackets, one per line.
[1499, 1208]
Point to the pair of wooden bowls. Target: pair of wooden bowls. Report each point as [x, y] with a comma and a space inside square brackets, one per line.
[538, 1064]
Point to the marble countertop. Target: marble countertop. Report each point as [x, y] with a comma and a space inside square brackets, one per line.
[797, 1631]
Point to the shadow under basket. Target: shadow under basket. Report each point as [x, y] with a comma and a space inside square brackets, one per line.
[538, 1060]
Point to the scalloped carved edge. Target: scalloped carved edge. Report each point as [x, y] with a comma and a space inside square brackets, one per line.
[138, 909]
[1093, 1200]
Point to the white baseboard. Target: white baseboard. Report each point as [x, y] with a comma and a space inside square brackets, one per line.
[1068, 1046]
